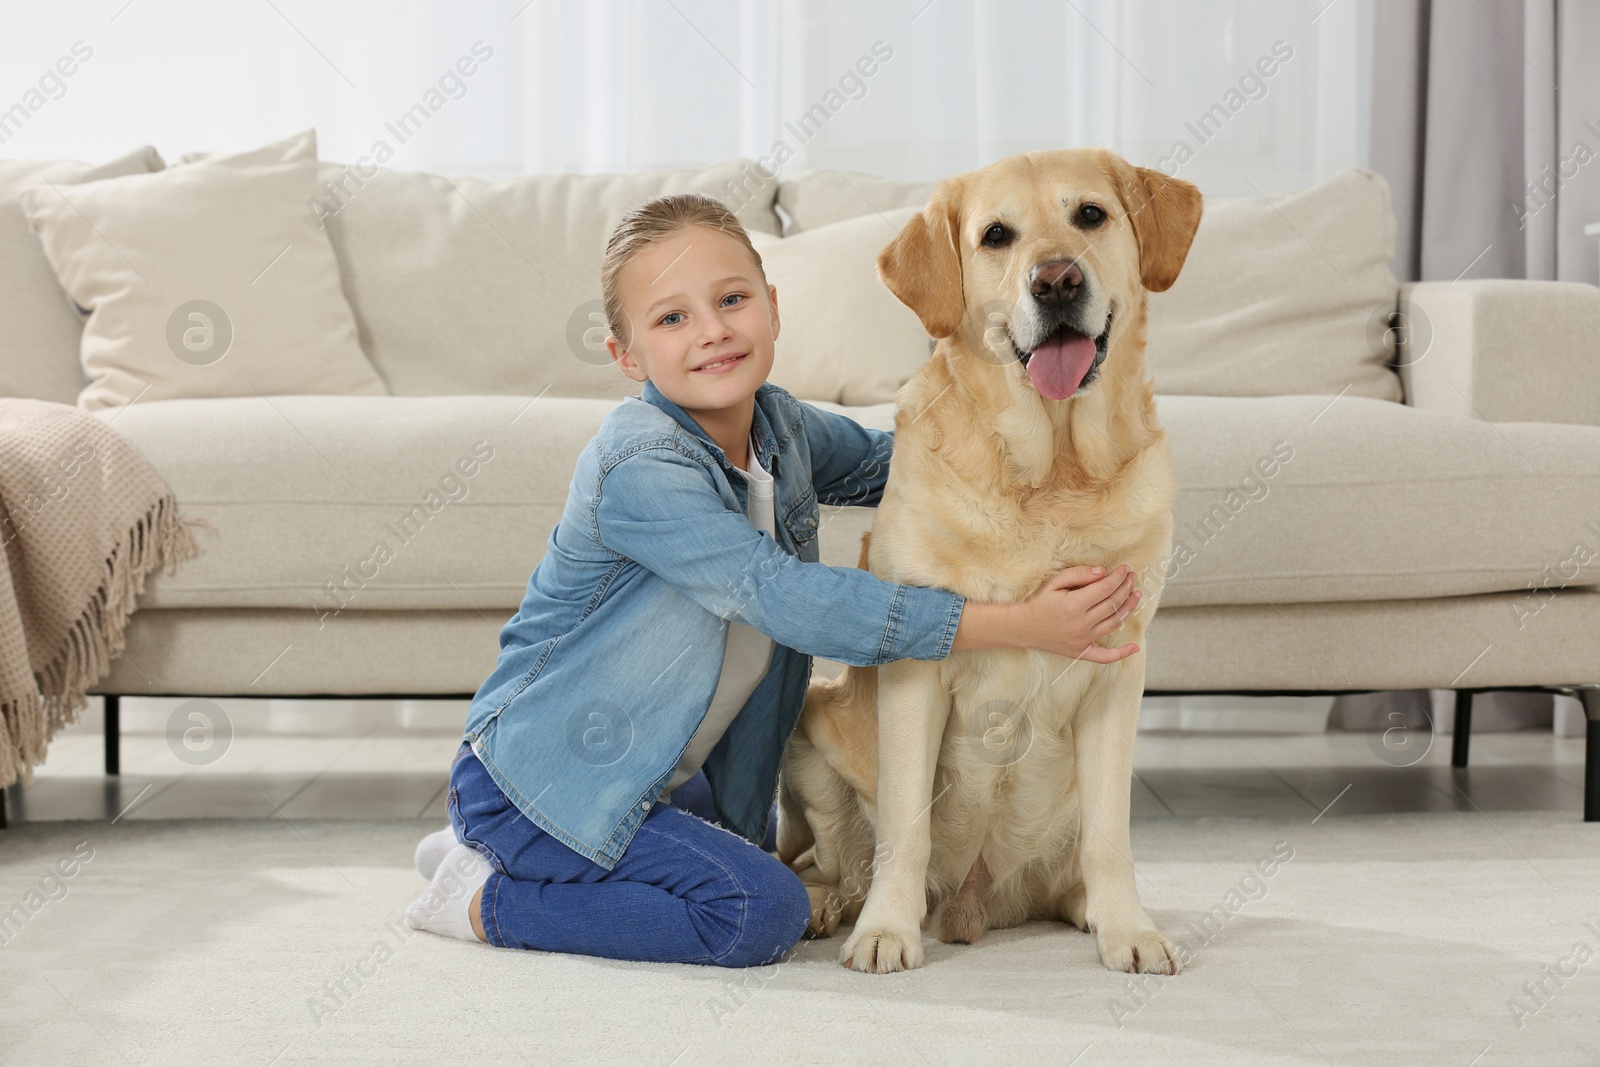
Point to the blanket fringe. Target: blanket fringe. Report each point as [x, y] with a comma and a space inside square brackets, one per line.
[160, 539]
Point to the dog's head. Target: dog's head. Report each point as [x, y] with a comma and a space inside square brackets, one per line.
[1032, 259]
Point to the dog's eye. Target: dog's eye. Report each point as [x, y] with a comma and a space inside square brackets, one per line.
[996, 236]
[1091, 214]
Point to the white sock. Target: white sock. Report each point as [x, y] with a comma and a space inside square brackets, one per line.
[445, 907]
[432, 849]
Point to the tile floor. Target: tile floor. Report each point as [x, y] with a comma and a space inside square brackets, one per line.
[383, 759]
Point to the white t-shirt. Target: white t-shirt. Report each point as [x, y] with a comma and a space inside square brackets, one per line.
[748, 653]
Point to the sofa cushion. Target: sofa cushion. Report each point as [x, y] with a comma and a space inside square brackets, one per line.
[1314, 498]
[1279, 295]
[463, 286]
[39, 344]
[814, 198]
[1283, 294]
[323, 503]
[843, 336]
[385, 503]
[206, 280]
[1293, 499]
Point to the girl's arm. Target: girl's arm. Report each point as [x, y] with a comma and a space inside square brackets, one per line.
[987, 625]
[1067, 614]
[849, 461]
[660, 509]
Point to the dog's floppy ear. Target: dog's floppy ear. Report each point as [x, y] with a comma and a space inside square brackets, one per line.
[922, 266]
[1165, 213]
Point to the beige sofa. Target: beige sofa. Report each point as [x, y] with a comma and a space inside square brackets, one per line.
[1381, 486]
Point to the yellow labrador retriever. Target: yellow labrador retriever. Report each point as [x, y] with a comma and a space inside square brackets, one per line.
[992, 787]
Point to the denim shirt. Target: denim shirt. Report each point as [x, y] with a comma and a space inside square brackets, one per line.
[608, 666]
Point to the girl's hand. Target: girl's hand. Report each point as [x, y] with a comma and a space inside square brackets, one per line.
[1073, 608]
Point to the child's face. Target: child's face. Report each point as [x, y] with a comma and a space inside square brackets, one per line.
[690, 299]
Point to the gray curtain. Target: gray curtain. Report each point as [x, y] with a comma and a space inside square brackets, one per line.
[1486, 123]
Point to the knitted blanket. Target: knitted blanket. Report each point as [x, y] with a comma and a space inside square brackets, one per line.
[83, 519]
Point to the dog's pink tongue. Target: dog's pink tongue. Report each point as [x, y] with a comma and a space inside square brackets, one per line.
[1057, 367]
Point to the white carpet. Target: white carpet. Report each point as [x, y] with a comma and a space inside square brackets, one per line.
[1385, 940]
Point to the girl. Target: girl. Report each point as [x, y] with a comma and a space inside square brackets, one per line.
[668, 633]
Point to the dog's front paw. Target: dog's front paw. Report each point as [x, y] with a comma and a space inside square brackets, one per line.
[827, 908]
[1137, 951]
[879, 951]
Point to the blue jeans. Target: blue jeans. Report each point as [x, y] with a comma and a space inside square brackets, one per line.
[685, 891]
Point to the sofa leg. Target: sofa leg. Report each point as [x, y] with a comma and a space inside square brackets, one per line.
[113, 732]
[2, 809]
[1462, 739]
[1590, 697]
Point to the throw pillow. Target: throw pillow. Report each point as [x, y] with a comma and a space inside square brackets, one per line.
[843, 337]
[815, 198]
[205, 280]
[1283, 295]
[39, 344]
[462, 286]
[1280, 295]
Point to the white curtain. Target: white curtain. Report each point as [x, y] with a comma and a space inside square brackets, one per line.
[903, 88]
[1242, 97]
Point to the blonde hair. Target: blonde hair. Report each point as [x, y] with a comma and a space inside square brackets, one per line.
[652, 221]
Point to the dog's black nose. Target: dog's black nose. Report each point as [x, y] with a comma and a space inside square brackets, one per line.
[1055, 282]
